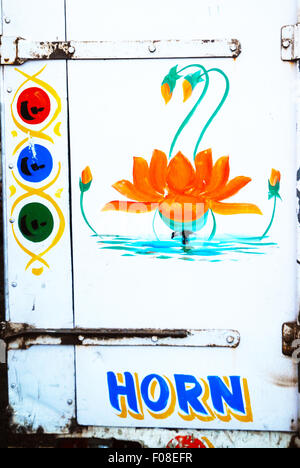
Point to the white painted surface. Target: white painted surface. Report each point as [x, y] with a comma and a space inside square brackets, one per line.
[45, 300]
[256, 127]
[42, 387]
[254, 295]
[273, 402]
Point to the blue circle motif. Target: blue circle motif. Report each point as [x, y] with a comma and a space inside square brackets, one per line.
[35, 163]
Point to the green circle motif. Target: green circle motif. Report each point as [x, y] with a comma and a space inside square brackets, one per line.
[35, 222]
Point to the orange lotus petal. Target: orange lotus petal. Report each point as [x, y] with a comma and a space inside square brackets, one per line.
[130, 207]
[180, 174]
[220, 174]
[141, 179]
[158, 170]
[234, 208]
[233, 187]
[204, 165]
[275, 177]
[165, 91]
[127, 189]
[86, 175]
[182, 212]
[187, 90]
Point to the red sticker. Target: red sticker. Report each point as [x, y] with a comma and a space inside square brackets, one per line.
[33, 106]
[185, 442]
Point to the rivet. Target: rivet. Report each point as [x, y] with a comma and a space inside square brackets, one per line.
[286, 43]
[10, 166]
[154, 339]
[152, 48]
[230, 339]
[7, 20]
[80, 338]
[71, 50]
[11, 220]
[13, 386]
[9, 90]
[70, 402]
[233, 47]
[14, 284]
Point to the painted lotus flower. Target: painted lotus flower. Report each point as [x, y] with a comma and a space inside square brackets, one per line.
[182, 194]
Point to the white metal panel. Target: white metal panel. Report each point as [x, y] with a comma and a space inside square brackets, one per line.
[270, 407]
[38, 274]
[122, 115]
[42, 388]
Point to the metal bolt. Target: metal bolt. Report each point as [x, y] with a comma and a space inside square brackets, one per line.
[70, 402]
[71, 50]
[11, 220]
[154, 339]
[9, 90]
[14, 284]
[230, 339]
[286, 43]
[152, 48]
[7, 20]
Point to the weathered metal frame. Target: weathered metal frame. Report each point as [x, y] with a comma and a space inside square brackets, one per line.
[16, 50]
[22, 336]
[290, 43]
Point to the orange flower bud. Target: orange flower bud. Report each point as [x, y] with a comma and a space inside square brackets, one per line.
[165, 91]
[187, 90]
[86, 176]
[275, 177]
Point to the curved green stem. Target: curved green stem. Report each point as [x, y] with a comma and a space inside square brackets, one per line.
[153, 225]
[189, 116]
[84, 216]
[271, 222]
[213, 232]
[215, 113]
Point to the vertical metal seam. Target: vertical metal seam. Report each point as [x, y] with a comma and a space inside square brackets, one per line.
[70, 210]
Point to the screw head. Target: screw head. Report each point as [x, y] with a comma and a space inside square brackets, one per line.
[11, 220]
[70, 402]
[230, 339]
[71, 50]
[10, 166]
[233, 47]
[154, 339]
[14, 284]
[286, 43]
[9, 90]
[7, 20]
[152, 48]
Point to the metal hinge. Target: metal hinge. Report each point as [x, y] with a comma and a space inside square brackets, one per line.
[290, 43]
[290, 338]
[16, 50]
[22, 336]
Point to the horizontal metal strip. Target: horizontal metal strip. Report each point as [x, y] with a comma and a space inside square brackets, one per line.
[15, 51]
[21, 336]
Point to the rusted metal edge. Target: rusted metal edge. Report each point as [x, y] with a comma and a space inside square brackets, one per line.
[290, 43]
[17, 50]
[23, 336]
[290, 334]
